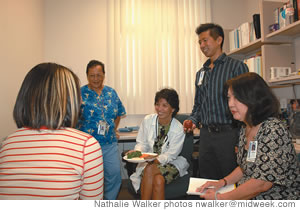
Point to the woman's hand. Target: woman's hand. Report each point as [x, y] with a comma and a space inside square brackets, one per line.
[156, 161]
[209, 188]
[209, 185]
[209, 194]
[117, 135]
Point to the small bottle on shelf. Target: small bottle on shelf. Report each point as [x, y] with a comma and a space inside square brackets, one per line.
[289, 14]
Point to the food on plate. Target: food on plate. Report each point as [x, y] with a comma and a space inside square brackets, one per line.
[138, 154]
[134, 154]
[148, 156]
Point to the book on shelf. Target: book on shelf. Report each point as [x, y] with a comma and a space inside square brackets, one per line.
[242, 36]
[282, 20]
[254, 64]
[276, 16]
[245, 33]
[285, 15]
[295, 5]
[234, 39]
[256, 25]
[298, 9]
[232, 45]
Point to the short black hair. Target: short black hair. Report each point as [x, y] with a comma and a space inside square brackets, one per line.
[251, 90]
[214, 29]
[171, 97]
[292, 101]
[93, 63]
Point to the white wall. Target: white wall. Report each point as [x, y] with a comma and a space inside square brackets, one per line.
[75, 33]
[21, 41]
[225, 12]
[231, 13]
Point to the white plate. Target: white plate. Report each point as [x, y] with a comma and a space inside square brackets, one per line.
[140, 160]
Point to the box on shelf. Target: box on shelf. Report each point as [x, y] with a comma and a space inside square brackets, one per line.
[277, 72]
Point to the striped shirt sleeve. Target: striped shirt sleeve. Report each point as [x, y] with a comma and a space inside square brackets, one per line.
[93, 172]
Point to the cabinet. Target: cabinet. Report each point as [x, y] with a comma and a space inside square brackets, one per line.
[277, 48]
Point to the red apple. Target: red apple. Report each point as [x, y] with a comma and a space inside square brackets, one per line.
[188, 124]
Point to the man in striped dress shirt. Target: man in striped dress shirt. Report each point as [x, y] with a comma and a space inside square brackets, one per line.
[218, 136]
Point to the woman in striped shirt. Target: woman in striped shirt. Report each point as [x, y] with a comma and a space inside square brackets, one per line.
[46, 158]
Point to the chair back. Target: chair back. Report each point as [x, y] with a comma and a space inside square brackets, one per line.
[187, 148]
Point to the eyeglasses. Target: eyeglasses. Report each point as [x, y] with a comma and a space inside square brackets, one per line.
[96, 76]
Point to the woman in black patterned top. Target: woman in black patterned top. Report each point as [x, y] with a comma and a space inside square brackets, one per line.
[267, 163]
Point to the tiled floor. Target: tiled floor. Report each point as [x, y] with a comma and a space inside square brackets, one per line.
[124, 193]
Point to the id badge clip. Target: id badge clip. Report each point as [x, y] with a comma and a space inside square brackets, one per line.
[201, 78]
[251, 156]
[102, 127]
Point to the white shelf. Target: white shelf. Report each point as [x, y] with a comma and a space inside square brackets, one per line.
[277, 48]
[247, 49]
[285, 80]
[292, 30]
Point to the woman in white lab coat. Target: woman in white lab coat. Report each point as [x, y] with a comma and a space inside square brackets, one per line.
[162, 134]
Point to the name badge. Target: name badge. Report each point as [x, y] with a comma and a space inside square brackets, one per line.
[102, 127]
[251, 156]
[201, 78]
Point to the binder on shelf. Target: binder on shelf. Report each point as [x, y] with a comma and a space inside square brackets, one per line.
[245, 33]
[298, 9]
[254, 64]
[276, 16]
[232, 45]
[241, 36]
[234, 41]
[295, 5]
[282, 17]
[256, 23]
[252, 32]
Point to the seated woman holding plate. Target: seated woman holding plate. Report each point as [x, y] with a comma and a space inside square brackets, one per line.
[162, 134]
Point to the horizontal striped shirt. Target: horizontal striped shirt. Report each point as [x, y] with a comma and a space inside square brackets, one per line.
[210, 105]
[51, 164]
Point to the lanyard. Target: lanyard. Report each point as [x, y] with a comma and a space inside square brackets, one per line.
[156, 130]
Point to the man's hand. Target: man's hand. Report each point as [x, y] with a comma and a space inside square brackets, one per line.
[188, 126]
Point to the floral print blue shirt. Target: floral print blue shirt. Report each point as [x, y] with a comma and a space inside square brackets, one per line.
[96, 108]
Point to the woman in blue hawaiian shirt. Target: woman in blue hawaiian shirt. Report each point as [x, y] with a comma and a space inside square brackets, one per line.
[101, 110]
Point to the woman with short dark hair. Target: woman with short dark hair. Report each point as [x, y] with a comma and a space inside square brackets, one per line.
[162, 134]
[101, 112]
[46, 158]
[267, 163]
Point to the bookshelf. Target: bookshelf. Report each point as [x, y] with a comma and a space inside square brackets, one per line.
[247, 49]
[292, 30]
[277, 48]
